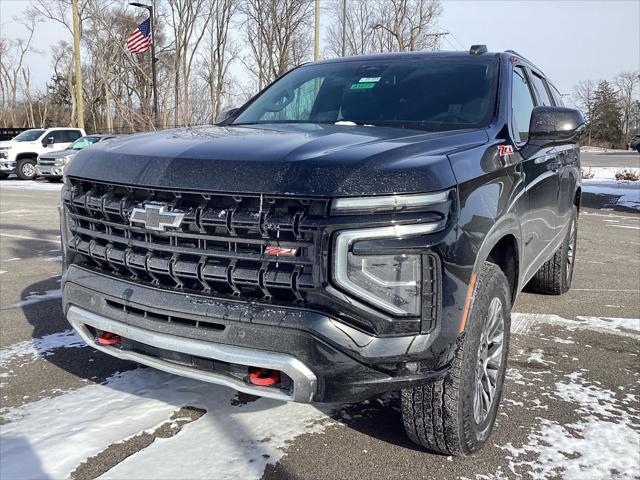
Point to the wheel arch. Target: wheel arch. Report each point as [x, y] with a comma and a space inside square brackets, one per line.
[577, 197]
[502, 246]
[26, 155]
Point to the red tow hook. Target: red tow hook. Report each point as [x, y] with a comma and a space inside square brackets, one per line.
[263, 377]
[108, 338]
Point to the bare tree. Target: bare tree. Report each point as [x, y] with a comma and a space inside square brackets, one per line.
[278, 36]
[12, 57]
[359, 20]
[220, 53]
[627, 85]
[189, 20]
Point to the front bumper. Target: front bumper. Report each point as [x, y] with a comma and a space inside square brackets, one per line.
[324, 359]
[7, 166]
[50, 170]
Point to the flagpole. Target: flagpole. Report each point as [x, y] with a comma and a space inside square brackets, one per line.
[154, 82]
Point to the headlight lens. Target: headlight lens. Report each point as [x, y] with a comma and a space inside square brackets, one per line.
[390, 282]
[66, 160]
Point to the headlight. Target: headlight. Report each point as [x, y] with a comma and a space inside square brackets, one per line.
[66, 160]
[387, 203]
[390, 282]
[5, 148]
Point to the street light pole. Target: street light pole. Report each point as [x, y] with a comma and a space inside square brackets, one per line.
[154, 82]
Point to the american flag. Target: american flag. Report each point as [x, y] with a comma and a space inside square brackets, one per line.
[140, 40]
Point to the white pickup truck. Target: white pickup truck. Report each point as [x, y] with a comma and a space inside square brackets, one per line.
[20, 154]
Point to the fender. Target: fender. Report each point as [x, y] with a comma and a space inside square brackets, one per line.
[507, 225]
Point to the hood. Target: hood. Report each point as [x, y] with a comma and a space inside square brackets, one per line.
[59, 154]
[7, 143]
[308, 159]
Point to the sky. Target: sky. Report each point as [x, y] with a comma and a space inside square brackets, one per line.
[569, 40]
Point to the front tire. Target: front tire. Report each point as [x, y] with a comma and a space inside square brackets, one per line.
[456, 414]
[556, 275]
[26, 169]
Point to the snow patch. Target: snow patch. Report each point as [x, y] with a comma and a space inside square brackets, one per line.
[228, 441]
[536, 356]
[40, 347]
[610, 324]
[34, 297]
[605, 173]
[604, 443]
[623, 193]
[30, 185]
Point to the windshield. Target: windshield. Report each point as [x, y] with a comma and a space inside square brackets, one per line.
[83, 142]
[29, 135]
[421, 93]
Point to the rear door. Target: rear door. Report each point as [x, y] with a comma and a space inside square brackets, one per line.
[569, 158]
[540, 171]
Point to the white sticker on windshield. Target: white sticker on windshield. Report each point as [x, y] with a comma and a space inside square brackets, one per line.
[369, 79]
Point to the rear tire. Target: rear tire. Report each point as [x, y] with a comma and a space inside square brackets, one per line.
[450, 415]
[26, 169]
[555, 276]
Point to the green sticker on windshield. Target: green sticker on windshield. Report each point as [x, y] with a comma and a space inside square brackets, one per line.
[362, 86]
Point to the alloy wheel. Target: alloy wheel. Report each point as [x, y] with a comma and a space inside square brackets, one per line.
[28, 169]
[489, 361]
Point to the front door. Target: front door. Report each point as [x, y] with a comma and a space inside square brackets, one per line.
[540, 171]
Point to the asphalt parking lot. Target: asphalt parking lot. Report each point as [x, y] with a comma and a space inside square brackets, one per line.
[571, 407]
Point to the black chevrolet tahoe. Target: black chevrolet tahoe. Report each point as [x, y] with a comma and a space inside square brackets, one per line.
[362, 225]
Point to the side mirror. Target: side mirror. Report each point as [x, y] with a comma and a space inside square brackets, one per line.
[554, 126]
[48, 141]
[225, 114]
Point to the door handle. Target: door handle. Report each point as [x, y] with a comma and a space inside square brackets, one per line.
[553, 166]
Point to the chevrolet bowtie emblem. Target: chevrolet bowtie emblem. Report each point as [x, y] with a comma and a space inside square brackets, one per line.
[155, 217]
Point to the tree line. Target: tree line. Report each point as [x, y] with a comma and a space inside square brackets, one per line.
[611, 108]
[211, 54]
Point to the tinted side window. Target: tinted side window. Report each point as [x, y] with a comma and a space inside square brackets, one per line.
[58, 136]
[71, 135]
[521, 104]
[541, 88]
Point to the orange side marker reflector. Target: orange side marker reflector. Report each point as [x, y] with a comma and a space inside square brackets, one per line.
[467, 303]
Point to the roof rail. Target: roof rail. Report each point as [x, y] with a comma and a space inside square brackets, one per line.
[513, 52]
[477, 49]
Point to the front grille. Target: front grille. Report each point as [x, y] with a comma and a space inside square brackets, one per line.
[218, 249]
[46, 161]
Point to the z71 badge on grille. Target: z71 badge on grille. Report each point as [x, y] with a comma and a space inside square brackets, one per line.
[155, 217]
